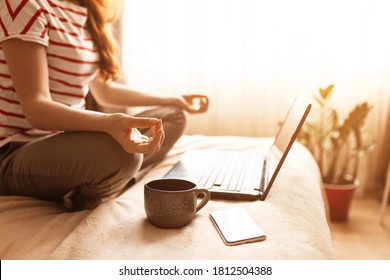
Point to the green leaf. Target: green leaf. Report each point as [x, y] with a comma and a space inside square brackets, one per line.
[325, 93]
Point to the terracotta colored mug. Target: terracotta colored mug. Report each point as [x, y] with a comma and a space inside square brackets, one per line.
[173, 203]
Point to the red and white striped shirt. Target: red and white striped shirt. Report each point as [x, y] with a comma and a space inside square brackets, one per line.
[71, 54]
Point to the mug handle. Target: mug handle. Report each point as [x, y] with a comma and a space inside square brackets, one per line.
[205, 199]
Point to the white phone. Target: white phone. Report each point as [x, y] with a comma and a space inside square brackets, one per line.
[235, 226]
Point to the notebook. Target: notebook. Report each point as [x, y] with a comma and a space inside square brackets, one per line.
[243, 175]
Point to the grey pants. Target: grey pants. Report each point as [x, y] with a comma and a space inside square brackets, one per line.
[91, 163]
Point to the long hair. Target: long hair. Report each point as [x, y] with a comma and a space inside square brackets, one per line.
[100, 14]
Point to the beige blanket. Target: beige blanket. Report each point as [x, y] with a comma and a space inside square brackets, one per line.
[293, 217]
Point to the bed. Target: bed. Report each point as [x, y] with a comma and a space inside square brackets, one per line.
[293, 216]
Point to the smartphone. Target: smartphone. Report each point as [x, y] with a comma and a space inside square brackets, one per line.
[235, 226]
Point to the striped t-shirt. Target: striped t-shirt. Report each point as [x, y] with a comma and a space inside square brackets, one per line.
[72, 58]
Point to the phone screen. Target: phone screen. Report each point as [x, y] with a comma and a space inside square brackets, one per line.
[235, 226]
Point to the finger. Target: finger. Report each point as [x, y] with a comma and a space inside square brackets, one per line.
[159, 137]
[189, 99]
[153, 129]
[136, 136]
[205, 101]
[140, 141]
[197, 103]
[145, 148]
[142, 122]
[148, 148]
[162, 138]
[144, 138]
[158, 133]
[155, 142]
[157, 126]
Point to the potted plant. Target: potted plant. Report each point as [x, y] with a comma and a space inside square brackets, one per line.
[337, 147]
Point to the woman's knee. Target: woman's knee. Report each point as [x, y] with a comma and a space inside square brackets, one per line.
[118, 173]
[114, 181]
[176, 115]
[129, 165]
[113, 168]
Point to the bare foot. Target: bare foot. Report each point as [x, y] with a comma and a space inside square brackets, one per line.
[80, 202]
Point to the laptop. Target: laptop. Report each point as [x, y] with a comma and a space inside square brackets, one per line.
[243, 175]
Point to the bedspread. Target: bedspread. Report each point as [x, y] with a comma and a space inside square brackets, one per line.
[293, 216]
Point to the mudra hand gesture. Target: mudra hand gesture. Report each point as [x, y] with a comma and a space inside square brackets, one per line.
[193, 103]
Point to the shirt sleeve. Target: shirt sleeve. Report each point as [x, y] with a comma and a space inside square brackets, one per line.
[23, 19]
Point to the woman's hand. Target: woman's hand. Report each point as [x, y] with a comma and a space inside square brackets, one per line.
[123, 129]
[194, 103]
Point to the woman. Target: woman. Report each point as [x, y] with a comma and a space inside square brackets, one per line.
[53, 52]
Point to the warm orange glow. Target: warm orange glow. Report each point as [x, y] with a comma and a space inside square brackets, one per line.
[253, 56]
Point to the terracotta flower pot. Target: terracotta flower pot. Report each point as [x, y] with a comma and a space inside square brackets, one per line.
[339, 199]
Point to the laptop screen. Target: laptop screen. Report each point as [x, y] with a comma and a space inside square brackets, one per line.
[287, 133]
[292, 123]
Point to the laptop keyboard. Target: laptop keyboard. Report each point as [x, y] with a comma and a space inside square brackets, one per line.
[229, 171]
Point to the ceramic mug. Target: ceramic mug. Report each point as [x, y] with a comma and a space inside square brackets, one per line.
[173, 203]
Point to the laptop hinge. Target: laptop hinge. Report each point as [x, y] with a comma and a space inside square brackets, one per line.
[264, 176]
